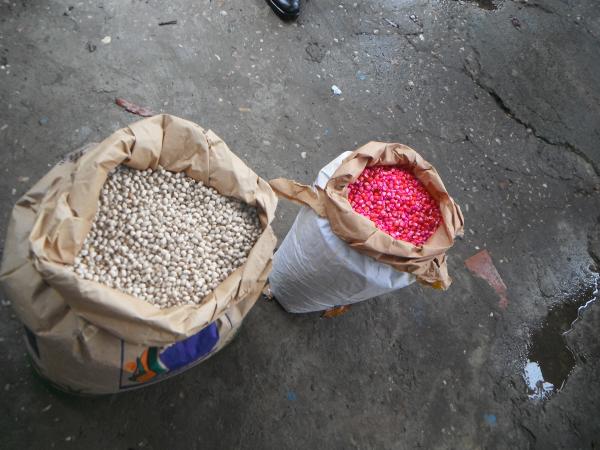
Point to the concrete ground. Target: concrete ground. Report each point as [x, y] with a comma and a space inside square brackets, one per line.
[503, 98]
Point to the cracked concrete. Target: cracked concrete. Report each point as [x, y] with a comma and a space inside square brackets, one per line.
[473, 74]
[508, 115]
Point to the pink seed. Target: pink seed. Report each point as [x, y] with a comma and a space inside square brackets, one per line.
[397, 202]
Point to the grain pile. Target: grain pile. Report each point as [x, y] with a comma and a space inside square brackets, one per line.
[165, 238]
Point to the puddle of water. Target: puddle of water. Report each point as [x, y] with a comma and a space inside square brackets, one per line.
[550, 360]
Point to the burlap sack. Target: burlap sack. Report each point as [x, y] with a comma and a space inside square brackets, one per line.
[427, 262]
[89, 338]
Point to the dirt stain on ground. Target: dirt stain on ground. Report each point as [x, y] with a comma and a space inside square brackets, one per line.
[485, 4]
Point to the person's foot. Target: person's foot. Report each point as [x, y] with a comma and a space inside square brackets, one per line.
[286, 9]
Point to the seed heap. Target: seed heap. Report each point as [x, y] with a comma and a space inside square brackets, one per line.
[165, 238]
[397, 202]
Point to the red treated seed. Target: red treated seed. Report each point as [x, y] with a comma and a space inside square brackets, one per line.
[397, 202]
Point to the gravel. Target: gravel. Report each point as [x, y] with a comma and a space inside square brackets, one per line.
[165, 238]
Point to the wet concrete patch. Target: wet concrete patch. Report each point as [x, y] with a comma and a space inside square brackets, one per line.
[550, 360]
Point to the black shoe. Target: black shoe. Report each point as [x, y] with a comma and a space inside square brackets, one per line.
[286, 9]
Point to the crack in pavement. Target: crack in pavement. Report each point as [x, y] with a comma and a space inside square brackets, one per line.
[528, 126]
[526, 4]
[500, 102]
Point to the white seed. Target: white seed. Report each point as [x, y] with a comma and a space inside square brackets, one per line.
[165, 238]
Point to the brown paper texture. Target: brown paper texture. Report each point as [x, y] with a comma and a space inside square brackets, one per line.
[85, 330]
[427, 262]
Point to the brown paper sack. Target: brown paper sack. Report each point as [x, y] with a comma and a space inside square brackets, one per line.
[426, 262]
[88, 338]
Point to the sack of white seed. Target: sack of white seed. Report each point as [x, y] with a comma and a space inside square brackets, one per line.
[139, 258]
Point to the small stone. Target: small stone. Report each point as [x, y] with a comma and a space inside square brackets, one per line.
[106, 40]
[336, 90]
[43, 120]
[303, 155]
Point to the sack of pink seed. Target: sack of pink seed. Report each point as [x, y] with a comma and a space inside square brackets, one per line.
[375, 220]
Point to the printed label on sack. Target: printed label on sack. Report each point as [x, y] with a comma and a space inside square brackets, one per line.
[157, 363]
